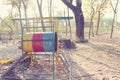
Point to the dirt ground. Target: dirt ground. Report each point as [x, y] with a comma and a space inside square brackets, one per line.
[99, 59]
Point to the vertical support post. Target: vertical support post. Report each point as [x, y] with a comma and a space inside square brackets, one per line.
[53, 67]
[56, 25]
[54, 29]
[22, 50]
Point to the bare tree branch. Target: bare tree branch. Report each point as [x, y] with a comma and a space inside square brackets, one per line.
[79, 3]
[69, 4]
[71, 1]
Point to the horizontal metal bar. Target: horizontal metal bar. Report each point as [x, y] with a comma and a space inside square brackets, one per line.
[40, 40]
[44, 18]
[40, 54]
[39, 27]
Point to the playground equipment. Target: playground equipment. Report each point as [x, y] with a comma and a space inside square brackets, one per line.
[40, 42]
[41, 48]
[5, 61]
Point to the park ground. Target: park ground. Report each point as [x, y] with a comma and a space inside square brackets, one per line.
[99, 59]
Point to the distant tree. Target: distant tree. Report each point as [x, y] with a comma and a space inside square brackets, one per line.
[66, 25]
[101, 5]
[50, 11]
[79, 18]
[17, 4]
[50, 8]
[39, 3]
[8, 2]
[6, 22]
[25, 4]
[91, 18]
[69, 23]
[115, 12]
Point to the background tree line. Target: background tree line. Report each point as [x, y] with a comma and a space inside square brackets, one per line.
[82, 12]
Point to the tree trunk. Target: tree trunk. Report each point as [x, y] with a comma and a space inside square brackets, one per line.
[10, 36]
[91, 23]
[26, 21]
[69, 23]
[40, 13]
[114, 9]
[11, 14]
[79, 18]
[66, 31]
[25, 12]
[112, 25]
[20, 17]
[92, 30]
[98, 23]
[50, 13]
[66, 26]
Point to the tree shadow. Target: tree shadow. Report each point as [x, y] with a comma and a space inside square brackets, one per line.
[77, 72]
[96, 62]
[82, 75]
[106, 48]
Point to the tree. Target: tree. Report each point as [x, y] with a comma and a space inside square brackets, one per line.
[69, 24]
[50, 8]
[101, 5]
[115, 11]
[25, 4]
[17, 3]
[66, 28]
[7, 20]
[50, 11]
[9, 26]
[91, 18]
[40, 12]
[79, 18]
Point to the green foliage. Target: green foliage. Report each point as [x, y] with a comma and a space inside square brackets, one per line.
[97, 5]
[8, 19]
